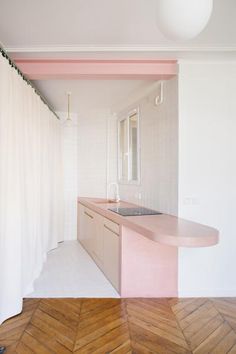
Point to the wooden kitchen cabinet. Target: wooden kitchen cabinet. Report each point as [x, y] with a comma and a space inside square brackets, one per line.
[97, 240]
[100, 237]
[89, 227]
[111, 259]
[81, 224]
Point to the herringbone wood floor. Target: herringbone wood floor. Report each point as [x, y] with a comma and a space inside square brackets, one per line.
[122, 326]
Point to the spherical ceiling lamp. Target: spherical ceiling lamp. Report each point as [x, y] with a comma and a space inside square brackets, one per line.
[183, 19]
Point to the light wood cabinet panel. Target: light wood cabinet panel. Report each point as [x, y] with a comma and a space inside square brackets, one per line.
[111, 225]
[89, 227]
[97, 241]
[100, 237]
[80, 223]
[111, 255]
[86, 226]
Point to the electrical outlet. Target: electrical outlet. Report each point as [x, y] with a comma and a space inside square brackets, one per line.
[190, 200]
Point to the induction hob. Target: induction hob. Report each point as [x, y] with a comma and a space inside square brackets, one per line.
[139, 211]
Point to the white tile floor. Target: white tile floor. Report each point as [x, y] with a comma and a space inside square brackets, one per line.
[70, 272]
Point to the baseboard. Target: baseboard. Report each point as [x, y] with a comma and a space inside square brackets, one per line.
[208, 293]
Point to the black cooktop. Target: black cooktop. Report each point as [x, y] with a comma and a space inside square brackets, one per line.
[134, 211]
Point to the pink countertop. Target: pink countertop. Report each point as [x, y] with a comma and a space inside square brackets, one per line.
[164, 229]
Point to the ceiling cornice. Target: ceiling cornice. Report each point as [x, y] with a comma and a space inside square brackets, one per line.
[80, 49]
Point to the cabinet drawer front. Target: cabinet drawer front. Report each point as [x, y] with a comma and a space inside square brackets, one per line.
[89, 213]
[111, 226]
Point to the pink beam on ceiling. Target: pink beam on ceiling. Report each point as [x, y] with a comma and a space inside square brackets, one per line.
[46, 69]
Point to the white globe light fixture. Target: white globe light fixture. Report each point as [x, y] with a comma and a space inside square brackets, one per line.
[183, 19]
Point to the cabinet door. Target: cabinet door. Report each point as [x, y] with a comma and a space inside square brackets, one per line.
[97, 241]
[85, 226]
[90, 232]
[111, 261]
[89, 229]
[80, 223]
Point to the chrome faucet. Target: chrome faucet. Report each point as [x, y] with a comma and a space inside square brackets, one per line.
[117, 197]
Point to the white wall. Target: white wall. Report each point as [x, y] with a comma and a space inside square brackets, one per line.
[207, 174]
[70, 170]
[97, 130]
[95, 163]
[89, 159]
[207, 167]
[159, 152]
[97, 147]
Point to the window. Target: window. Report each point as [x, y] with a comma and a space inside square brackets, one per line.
[128, 148]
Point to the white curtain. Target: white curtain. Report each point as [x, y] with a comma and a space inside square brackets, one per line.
[31, 197]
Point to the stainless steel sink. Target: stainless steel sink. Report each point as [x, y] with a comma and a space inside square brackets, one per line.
[103, 201]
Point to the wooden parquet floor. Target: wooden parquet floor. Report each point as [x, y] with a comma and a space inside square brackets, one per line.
[122, 326]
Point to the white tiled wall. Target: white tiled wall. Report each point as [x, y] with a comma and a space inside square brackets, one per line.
[89, 160]
[159, 153]
[92, 153]
[112, 153]
[90, 157]
[70, 170]
[97, 152]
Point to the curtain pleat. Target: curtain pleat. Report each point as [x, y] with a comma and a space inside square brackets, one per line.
[31, 193]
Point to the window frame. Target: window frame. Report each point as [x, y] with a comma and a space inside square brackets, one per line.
[126, 117]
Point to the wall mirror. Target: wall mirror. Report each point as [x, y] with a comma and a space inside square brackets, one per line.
[128, 148]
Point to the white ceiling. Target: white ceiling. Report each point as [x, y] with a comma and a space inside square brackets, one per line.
[88, 94]
[104, 29]
[104, 25]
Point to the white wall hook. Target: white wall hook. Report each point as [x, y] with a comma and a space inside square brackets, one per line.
[159, 98]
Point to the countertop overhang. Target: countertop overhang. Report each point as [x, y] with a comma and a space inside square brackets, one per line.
[164, 229]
